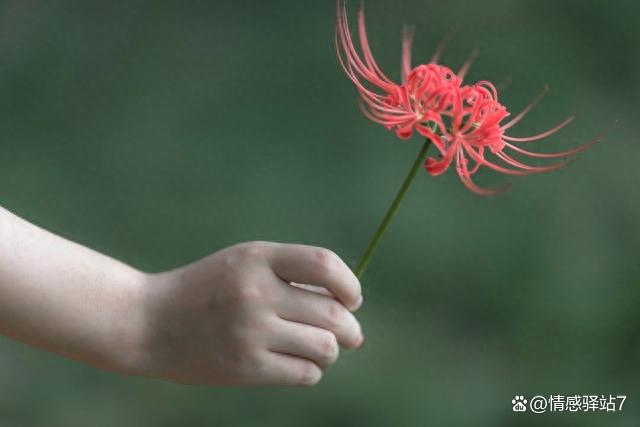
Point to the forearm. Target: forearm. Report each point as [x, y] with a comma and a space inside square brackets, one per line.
[232, 318]
[65, 298]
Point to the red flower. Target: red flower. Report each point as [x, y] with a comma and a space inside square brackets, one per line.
[475, 130]
[400, 107]
[465, 123]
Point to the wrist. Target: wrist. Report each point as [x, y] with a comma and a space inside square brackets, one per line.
[129, 352]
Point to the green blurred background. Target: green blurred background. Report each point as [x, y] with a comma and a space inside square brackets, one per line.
[158, 132]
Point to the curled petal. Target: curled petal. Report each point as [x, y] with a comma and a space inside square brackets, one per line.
[405, 132]
[438, 167]
[488, 88]
[435, 139]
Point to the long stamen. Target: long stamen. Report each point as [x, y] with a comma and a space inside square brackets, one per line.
[504, 84]
[468, 182]
[442, 46]
[543, 134]
[527, 110]
[475, 156]
[465, 178]
[352, 55]
[467, 64]
[553, 155]
[382, 119]
[533, 169]
[408, 34]
[365, 46]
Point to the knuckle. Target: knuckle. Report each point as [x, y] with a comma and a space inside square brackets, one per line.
[335, 314]
[250, 250]
[246, 295]
[329, 348]
[326, 259]
[310, 374]
[236, 258]
[250, 293]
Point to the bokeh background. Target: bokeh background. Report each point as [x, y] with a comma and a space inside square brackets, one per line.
[160, 131]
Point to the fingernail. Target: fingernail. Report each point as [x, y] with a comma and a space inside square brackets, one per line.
[362, 341]
[359, 303]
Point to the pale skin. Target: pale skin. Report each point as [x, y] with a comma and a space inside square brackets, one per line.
[235, 318]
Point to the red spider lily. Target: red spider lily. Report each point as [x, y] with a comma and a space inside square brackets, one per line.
[401, 107]
[475, 130]
[463, 122]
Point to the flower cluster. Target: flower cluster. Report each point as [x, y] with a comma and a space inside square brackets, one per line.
[465, 123]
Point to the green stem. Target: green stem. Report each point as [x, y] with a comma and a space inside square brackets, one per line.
[364, 262]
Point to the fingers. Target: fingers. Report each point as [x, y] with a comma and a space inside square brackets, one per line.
[286, 370]
[312, 308]
[316, 266]
[307, 342]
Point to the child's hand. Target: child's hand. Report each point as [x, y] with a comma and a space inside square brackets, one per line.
[235, 318]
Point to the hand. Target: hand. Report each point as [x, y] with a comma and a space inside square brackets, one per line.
[236, 318]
